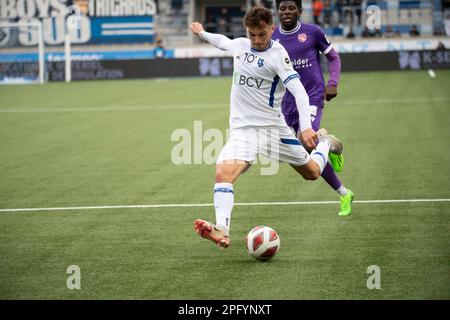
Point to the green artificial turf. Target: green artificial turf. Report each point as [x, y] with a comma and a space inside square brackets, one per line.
[108, 143]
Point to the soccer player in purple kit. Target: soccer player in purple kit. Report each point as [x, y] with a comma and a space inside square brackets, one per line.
[304, 42]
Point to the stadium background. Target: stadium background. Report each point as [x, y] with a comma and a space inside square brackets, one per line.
[92, 142]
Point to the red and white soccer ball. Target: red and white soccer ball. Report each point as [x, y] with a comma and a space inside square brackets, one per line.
[262, 243]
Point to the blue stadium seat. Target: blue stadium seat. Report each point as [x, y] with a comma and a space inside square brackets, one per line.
[381, 3]
[338, 31]
[409, 4]
[334, 31]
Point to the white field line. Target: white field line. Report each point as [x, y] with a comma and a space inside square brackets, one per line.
[201, 106]
[185, 205]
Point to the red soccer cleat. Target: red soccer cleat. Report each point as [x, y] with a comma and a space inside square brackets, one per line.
[209, 231]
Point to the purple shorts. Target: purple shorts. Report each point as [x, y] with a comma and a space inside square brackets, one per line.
[316, 117]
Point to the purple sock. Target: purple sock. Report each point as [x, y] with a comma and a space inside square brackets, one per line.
[330, 177]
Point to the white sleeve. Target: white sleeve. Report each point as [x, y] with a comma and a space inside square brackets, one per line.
[290, 78]
[301, 100]
[217, 40]
[283, 66]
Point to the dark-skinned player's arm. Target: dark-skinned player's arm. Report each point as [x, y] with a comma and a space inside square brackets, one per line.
[334, 67]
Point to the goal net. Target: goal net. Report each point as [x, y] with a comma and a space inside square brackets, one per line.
[21, 53]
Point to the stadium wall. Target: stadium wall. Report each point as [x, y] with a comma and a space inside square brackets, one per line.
[97, 69]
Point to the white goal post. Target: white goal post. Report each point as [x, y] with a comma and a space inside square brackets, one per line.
[41, 57]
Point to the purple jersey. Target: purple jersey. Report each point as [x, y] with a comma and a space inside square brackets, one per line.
[303, 45]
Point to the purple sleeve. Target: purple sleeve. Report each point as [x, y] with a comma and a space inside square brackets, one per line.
[323, 44]
[334, 67]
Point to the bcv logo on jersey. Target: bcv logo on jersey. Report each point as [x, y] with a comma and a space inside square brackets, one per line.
[243, 80]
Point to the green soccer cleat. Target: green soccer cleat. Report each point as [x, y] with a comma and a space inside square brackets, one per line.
[336, 161]
[346, 203]
[335, 154]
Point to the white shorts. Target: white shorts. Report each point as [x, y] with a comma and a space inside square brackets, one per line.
[276, 143]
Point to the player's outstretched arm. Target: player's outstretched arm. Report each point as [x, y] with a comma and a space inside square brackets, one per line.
[217, 40]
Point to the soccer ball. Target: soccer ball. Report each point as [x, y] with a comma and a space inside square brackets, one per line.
[262, 243]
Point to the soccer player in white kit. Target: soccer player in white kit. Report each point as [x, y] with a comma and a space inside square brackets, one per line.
[262, 72]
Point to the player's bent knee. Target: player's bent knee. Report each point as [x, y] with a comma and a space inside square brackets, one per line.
[311, 175]
[315, 175]
[313, 171]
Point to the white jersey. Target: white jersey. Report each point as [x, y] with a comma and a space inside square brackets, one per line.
[259, 81]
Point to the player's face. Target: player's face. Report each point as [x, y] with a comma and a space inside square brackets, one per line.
[288, 14]
[260, 36]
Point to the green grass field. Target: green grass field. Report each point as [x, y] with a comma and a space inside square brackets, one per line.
[109, 144]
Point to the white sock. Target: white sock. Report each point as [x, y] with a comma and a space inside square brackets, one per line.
[223, 203]
[320, 154]
[341, 191]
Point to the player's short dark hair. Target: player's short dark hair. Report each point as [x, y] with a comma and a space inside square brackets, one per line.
[257, 17]
[297, 2]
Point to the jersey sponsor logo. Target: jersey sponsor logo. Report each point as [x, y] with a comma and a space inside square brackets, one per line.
[301, 63]
[243, 80]
[302, 37]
